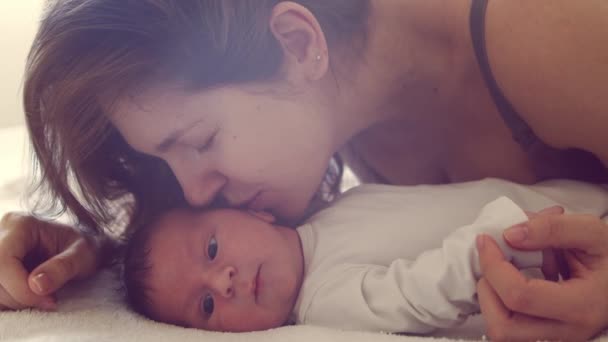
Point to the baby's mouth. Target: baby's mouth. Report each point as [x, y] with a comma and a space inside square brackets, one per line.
[256, 284]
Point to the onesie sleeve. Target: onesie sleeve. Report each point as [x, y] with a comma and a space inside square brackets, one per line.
[436, 290]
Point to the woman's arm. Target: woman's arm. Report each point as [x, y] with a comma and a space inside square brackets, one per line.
[550, 58]
[515, 308]
[38, 257]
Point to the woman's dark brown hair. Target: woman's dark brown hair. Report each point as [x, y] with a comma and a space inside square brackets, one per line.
[88, 54]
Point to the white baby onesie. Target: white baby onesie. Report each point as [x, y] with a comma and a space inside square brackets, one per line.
[403, 259]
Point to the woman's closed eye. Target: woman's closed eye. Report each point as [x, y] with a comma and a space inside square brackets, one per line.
[212, 248]
[208, 144]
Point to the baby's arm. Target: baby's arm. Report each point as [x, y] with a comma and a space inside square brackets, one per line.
[436, 290]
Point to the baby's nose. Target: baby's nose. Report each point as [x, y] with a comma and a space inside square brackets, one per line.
[223, 282]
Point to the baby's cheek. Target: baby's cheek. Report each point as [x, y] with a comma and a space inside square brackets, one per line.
[248, 319]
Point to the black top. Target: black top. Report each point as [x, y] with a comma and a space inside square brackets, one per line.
[548, 162]
[522, 133]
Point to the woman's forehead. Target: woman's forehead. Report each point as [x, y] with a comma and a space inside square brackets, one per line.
[147, 101]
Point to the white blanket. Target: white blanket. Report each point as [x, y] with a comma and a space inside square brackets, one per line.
[94, 310]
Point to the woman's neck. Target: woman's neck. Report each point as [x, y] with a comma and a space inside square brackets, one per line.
[413, 63]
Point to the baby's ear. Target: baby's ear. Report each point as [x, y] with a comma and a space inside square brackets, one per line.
[262, 215]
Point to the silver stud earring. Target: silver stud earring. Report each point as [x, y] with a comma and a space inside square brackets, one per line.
[318, 58]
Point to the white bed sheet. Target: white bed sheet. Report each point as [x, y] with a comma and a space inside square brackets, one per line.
[14, 156]
[93, 310]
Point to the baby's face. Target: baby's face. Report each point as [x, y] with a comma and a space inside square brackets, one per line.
[224, 270]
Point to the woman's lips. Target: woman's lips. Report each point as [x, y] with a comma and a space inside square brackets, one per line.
[256, 202]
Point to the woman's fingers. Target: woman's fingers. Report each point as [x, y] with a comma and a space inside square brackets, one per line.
[554, 210]
[17, 294]
[535, 297]
[551, 266]
[579, 301]
[15, 244]
[77, 260]
[585, 232]
[65, 254]
[7, 302]
[504, 325]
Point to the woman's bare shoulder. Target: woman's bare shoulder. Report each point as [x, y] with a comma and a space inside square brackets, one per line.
[550, 58]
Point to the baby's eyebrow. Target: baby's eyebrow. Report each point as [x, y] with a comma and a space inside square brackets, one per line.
[196, 252]
[192, 306]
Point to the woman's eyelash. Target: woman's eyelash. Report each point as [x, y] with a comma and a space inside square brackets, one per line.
[208, 144]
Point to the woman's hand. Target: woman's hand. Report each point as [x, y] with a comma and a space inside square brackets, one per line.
[37, 258]
[517, 308]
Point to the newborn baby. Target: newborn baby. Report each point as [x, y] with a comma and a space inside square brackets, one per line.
[380, 258]
[222, 270]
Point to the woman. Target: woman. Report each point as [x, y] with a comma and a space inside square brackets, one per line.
[247, 101]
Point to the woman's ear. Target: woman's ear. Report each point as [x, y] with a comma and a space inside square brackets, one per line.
[263, 215]
[304, 46]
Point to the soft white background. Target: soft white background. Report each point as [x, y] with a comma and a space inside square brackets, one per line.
[18, 24]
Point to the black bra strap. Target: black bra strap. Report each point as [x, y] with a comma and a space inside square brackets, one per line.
[522, 133]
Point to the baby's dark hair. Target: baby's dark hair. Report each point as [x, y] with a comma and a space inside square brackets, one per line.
[136, 264]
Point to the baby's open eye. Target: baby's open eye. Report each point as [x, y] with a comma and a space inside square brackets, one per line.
[207, 305]
[212, 248]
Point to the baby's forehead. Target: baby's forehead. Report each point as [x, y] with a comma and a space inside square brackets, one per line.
[178, 222]
[172, 256]
[177, 216]
[171, 228]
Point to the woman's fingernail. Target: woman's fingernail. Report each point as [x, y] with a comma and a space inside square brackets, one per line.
[41, 283]
[516, 233]
[480, 240]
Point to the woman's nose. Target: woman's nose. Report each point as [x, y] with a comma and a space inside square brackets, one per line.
[200, 186]
[222, 282]
[202, 191]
